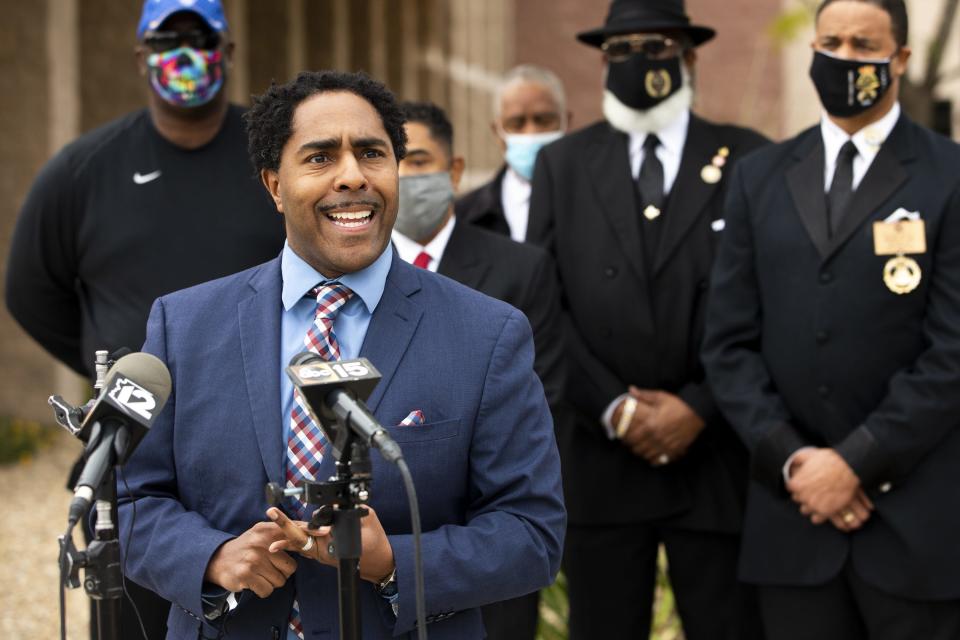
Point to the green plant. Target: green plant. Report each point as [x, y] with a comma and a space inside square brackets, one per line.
[20, 439]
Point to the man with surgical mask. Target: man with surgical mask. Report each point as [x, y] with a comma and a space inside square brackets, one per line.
[631, 209]
[429, 235]
[530, 112]
[158, 200]
[833, 347]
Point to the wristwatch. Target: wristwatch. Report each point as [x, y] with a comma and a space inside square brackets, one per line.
[387, 587]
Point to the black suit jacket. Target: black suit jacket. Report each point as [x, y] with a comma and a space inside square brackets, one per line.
[520, 275]
[483, 206]
[806, 345]
[626, 325]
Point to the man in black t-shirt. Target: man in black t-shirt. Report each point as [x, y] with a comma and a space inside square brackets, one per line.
[158, 200]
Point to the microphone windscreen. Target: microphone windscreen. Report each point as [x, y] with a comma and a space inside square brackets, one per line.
[148, 371]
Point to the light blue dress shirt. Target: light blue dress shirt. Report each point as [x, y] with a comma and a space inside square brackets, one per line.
[350, 325]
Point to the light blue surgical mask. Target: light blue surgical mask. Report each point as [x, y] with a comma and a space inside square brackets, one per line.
[522, 150]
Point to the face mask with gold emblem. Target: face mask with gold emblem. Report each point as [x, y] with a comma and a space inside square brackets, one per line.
[849, 87]
[643, 83]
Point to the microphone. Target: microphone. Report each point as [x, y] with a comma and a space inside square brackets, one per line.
[134, 392]
[334, 393]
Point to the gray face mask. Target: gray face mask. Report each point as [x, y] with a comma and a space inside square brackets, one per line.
[424, 201]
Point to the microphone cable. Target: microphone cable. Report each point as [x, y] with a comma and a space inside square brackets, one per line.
[414, 507]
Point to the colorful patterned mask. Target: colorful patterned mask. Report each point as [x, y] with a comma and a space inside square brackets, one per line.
[186, 77]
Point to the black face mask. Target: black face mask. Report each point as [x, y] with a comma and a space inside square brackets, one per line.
[642, 83]
[849, 87]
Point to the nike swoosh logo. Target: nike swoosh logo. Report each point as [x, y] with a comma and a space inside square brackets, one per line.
[144, 178]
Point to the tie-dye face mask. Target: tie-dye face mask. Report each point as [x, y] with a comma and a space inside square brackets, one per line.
[186, 77]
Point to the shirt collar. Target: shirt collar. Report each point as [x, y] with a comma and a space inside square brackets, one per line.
[410, 249]
[868, 140]
[299, 278]
[515, 188]
[672, 137]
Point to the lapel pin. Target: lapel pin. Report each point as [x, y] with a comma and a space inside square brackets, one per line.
[713, 172]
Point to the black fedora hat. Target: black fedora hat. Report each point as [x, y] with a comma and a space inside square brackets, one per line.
[631, 16]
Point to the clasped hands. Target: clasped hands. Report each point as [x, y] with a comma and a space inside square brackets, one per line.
[662, 427]
[827, 489]
[258, 559]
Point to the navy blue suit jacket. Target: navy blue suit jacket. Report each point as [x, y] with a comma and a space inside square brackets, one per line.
[485, 462]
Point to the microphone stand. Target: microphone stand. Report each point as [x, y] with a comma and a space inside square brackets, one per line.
[339, 503]
[103, 576]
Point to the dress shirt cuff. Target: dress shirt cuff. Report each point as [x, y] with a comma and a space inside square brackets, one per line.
[607, 418]
[861, 451]
[789, 463]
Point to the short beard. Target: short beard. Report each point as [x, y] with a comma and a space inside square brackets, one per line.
[630, 120]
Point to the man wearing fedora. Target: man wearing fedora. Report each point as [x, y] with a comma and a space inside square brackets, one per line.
[630, 207]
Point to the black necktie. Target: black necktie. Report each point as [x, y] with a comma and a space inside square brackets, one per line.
[650, 180]
[841, 189]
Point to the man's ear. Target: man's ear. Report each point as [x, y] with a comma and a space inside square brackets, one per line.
[496, 134]
[690, 57]
[140, 55]
[228, 52]
[900, 59]
[271, 180]
[456, 171]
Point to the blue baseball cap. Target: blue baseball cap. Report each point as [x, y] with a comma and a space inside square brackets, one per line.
[156, 11]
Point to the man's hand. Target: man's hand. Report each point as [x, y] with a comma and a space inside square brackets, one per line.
[822, 484]
[246, 562]
[854, 515]
[663, 425]
[376, 555]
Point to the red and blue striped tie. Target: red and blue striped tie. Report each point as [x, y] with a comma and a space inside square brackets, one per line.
[306, 444]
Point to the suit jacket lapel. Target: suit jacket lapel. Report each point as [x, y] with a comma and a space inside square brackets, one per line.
[805, 181]
[608, 163]
[259, 319]
[460, 260]
[882, 179]
[392, 326]
[690, 194]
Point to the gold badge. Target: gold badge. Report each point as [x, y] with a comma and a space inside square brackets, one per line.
[900, 237]
[901, 274]
[658, 83]
[651, 212]
[867, 84]
[711, 174]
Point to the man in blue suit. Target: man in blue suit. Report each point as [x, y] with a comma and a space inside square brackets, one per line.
[484, 460]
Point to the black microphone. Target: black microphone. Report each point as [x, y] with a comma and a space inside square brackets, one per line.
[335, 392]
[134, 392]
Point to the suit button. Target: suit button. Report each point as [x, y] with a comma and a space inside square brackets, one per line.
[610, 272]
[885, 487]
[822, 336]
[823, 390]
[825, 277]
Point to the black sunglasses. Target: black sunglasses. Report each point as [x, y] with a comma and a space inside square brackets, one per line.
[159, 41]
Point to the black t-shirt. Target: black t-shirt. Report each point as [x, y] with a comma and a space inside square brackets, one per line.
[120, 217]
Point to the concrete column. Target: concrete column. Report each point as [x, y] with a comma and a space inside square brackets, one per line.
[238, 80]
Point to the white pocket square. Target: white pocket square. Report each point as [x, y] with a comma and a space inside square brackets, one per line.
[718, 225]
[902, 214]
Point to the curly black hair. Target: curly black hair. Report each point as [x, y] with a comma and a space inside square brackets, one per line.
[433, 118]
[270, 120]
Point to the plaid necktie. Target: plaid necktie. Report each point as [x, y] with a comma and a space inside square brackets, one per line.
[306, 443]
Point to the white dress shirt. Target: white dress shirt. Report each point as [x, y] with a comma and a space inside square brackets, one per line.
[515, 199]
[672, 138]
[867, 141]
[410, 249]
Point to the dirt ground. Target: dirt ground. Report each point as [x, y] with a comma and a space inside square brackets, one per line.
[34, 513]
